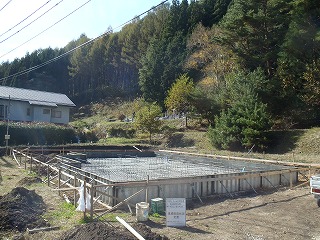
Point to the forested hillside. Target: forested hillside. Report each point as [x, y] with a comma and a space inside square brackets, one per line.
[253, 64]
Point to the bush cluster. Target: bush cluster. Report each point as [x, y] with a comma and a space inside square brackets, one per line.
[120, 132]
[37, 133]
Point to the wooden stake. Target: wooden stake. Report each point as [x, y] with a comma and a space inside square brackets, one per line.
[147, 193]
[91, 200]
[84, 196]
[59, 179]
[48, 175]
[35, 230]
[75, 191]
[31, 163]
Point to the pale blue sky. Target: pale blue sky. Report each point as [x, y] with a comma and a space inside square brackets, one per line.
[92, 19]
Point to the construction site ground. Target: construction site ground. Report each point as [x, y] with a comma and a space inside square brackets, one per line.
[271, 214]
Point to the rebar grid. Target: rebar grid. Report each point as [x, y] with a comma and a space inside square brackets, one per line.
[126, 168]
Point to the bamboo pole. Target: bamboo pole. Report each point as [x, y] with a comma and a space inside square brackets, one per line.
[300, 185]
[15, 158]
[120, 203]
[127, 226]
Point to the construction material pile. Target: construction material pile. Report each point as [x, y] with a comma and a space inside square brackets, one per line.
[21, 209]
[100, 230]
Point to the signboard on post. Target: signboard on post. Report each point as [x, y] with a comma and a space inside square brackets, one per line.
[176, 212]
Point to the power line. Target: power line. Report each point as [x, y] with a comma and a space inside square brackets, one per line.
[32, 21]
[78, 47]
[5, 5]
[24, 19]
[45, 29]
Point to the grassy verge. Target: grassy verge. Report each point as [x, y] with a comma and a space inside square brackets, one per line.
[58, 212]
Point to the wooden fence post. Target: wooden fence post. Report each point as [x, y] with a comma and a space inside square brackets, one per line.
[91, 200]
[309, 172]
[147, 193]
[48, 174]
[84, 196]
[75, 191]
[38, 168]
[31, 163]
[59, 180]
[25, 160]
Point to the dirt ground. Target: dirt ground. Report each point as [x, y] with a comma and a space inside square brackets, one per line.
[282, 214]
[100, 230]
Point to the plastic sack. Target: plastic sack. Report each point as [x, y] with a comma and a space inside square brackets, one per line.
[88, 201]
[83, 203]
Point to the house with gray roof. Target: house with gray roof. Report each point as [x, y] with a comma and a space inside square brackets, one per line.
[18, 104]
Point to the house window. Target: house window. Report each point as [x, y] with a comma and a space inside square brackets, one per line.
[28, 111]
[3, 111]
[46, 111]
[56, 114]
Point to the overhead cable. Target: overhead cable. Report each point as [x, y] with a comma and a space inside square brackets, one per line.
[25, 18]
[5, 5]
[32, 21]
[45, 29]
[78, 47]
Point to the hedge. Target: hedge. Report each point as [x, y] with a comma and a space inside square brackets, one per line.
[36, 133]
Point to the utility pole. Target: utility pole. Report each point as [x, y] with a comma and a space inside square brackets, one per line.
[7, 136]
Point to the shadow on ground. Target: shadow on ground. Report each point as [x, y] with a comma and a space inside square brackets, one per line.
[178, 140]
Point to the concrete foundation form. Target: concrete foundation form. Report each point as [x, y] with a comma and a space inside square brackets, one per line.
[126, 179]
[127, 169]
[182, 176]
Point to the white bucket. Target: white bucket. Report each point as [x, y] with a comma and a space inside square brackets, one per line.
[142, 211]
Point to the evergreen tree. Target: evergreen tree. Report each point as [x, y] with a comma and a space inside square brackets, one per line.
[246, 120]
[151, 71]
[254, 30]
[299, 63]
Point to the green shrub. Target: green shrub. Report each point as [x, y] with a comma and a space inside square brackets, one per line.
[37, 133]
[88, 136]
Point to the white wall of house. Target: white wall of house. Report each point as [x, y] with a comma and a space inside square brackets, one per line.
[18, 111]
[23, 111]
[41, 113]
[60, 114]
